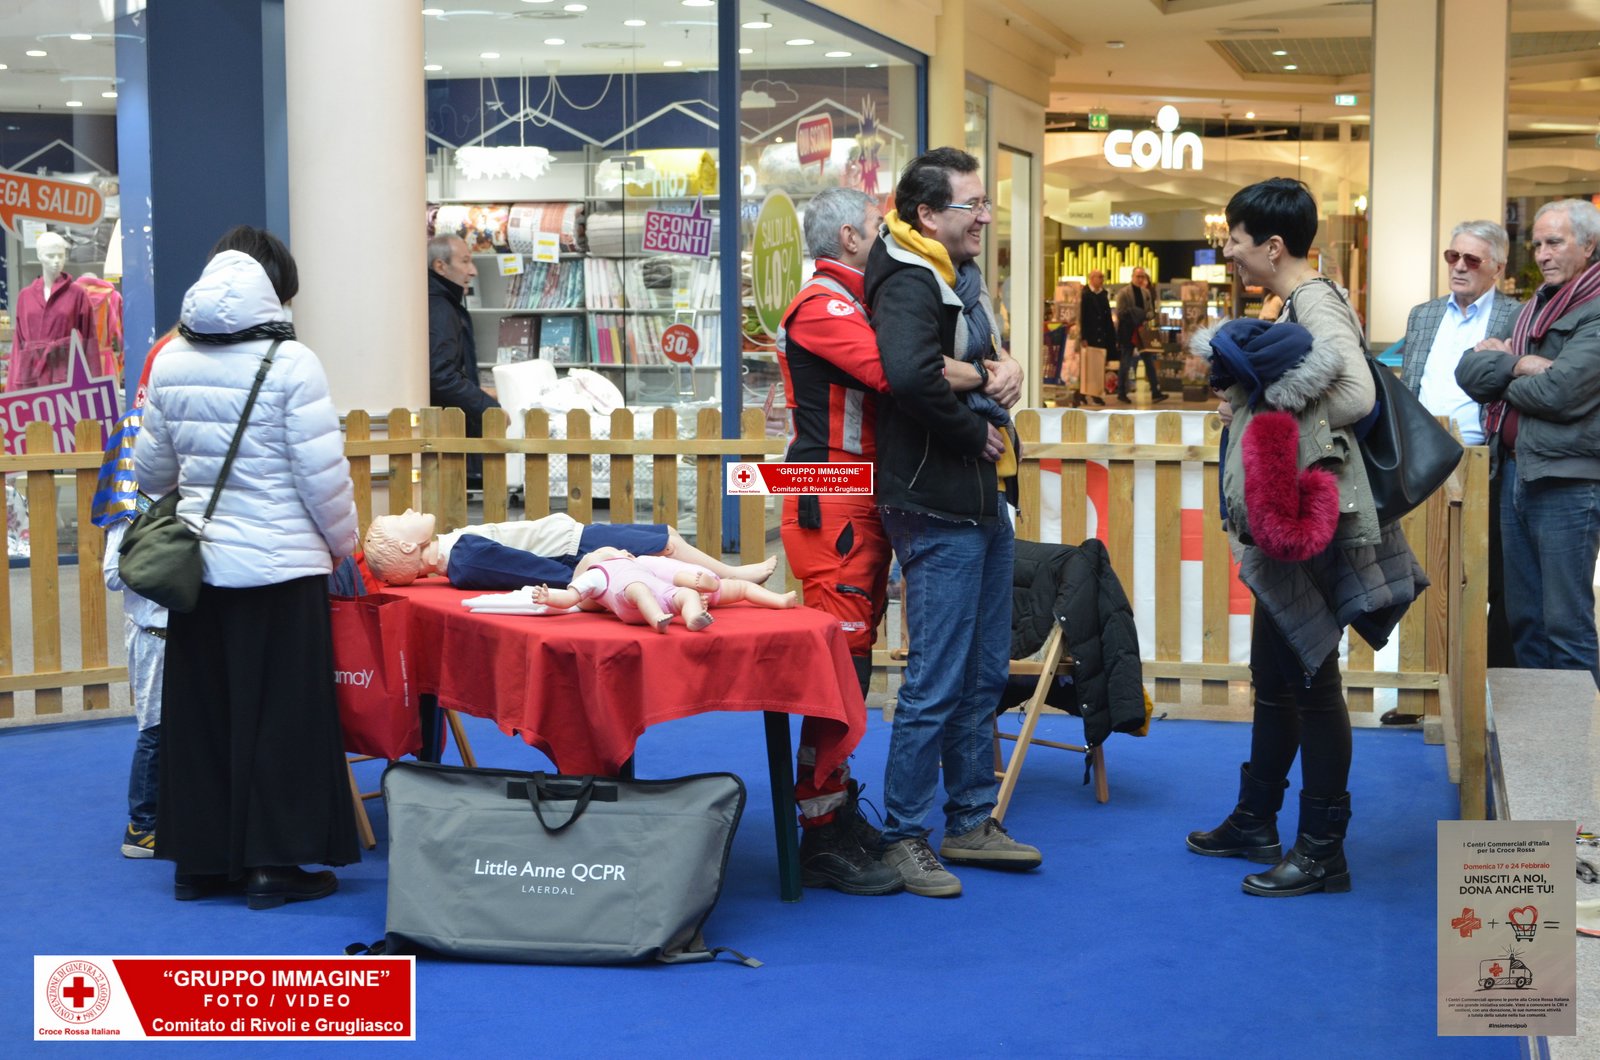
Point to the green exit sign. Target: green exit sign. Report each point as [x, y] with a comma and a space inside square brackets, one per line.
[1098, 121]
[1345, 99]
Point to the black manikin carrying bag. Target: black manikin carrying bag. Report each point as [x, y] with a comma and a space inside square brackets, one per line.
[501, 865]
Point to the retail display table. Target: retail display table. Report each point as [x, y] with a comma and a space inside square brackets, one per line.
[583, 687]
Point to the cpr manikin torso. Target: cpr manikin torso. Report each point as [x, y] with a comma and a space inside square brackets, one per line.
[49, 311]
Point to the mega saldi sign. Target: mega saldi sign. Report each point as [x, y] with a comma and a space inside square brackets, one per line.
[46, 199]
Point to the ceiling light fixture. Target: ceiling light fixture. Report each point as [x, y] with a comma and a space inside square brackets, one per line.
[797, 42]
[746, 51]
[837, 55]
[1280, 51]
[431, 68]
[635, 22]
[576, 7]
[74, 102]
[1291, 66]
[108, 95]
[81, 36]
[699, 3]
[1250, 114]
[554, 42]
[488, 55]
[760, 23]
[673, 62]
[1116, 44]
[432, 12]
[36, 53]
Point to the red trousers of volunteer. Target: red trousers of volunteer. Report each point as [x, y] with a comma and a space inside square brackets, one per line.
[843, 565]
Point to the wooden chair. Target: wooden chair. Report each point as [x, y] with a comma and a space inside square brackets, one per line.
[1056, 660]
[359, 797]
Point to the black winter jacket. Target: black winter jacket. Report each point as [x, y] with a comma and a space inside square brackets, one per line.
[453, 356]
[1078, 588]
[930, 442]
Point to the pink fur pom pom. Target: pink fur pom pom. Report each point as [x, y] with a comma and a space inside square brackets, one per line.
[1292, 514]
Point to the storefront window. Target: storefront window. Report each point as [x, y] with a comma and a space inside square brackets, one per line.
[577, 152]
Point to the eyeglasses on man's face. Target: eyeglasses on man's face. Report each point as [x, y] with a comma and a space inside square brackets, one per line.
[1472, 261]
[978, 205]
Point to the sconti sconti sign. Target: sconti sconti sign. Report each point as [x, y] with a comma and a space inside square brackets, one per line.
[1126, 149]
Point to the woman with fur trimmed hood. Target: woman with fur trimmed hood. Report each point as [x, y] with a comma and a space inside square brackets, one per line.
[1305, 531]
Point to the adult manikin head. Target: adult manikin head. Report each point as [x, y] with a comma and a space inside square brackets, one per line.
[52, 255]
[400, 548]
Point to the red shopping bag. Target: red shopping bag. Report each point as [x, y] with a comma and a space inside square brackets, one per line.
[370, 676]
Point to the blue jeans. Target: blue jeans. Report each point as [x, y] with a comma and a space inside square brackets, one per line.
[142, 779]
[958, 616]
[1549, 540]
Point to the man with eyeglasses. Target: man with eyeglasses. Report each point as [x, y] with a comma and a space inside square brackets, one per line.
[1543, 425]
[1438, 332]
[940, 463]
[1136, 304]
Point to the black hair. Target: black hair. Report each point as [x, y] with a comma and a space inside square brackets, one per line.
[926, 181]
[1282, 207]
[269, 250]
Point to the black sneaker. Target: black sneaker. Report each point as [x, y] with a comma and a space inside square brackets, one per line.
[831, 857]
[137, 844]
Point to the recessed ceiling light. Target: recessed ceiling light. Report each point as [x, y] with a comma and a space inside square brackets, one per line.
[81, 36]
[431, 12]
[3, 66]
[699, 3]
[1250, 114]
[432, 68]
[1280, 51]
[872, 66]
[759, 23]
[74, 102]
[554, 41]
[576, 7]
[836, 55]
[633, 22]
[1115, 44]
[1290, 66]
[797, 42]
[488, 55]
[1305, 158]
[36, 53]
[777, 139]
[746, 51]
[673, 62]
[108, 95]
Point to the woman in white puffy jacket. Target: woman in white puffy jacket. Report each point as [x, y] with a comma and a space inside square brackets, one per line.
[253, 780]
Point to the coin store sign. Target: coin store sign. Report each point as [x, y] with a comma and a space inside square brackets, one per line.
[1147, 150]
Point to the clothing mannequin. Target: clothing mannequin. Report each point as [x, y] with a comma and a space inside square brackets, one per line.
[399, 549]
[649, 590]
[49, 311]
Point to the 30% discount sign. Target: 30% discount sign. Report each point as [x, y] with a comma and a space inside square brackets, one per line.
[680, 344]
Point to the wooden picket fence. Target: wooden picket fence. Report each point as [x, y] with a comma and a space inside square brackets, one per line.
[404, 459]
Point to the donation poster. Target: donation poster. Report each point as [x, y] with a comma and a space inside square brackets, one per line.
[1507, 937]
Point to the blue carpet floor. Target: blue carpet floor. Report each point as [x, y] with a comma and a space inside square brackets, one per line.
[1122, 945]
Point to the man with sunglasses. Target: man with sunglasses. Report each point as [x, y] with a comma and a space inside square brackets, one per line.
[1438, 332]
[941, 459]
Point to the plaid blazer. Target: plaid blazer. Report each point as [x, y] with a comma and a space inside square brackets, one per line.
[1423, 324]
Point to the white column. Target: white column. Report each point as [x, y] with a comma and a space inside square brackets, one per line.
[1403, 202]
[1473, 101]
[356, 196]
[947, 77]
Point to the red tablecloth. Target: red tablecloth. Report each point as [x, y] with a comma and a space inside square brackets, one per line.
[582, 687]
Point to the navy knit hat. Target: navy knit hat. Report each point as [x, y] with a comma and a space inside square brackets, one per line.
[1256, 353]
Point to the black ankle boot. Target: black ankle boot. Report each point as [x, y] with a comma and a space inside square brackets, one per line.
[271, 886]
[830, 856]
[1251, 830]
[1316, 863]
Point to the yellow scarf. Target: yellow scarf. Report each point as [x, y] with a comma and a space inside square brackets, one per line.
[930, 249]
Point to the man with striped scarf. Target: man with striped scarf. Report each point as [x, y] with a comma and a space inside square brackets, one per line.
[1543, 422]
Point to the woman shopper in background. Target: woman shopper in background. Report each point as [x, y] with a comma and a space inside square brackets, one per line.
[1295, 389]
[252, 767]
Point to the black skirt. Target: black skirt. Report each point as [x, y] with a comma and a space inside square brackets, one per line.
[252, 761]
